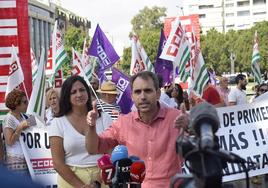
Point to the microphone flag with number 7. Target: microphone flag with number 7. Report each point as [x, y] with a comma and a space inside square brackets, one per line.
[107, 168]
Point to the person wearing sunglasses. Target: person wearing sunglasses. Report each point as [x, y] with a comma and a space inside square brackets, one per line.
[13, 124]
[263, 88]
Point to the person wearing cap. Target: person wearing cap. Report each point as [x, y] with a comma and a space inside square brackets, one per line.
[107, 103]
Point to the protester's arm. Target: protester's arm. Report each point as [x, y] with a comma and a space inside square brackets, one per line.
[58, 157]
[13, 135]
[183, 119]
[92, 138]
[105, 141]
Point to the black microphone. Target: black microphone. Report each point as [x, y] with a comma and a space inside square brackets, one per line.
[123, 170]
[122, 165]
[227, 156]
[204, 121]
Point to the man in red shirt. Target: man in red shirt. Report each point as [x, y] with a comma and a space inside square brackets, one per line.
[211, 95]
[148, 132]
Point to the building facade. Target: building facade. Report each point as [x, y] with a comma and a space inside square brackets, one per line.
[224, 15]
[41, 20]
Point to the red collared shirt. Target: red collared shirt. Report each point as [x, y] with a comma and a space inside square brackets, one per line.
[154, 143]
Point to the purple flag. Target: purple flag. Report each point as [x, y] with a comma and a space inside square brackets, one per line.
[163, 67]
[102, 48]
[124, 91]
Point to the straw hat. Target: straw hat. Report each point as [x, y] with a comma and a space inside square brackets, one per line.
[108, 87]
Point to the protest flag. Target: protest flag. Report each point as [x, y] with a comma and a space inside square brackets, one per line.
[33, 65]
[88, 62]
[139, 58]
[124, 91]
[102, 49]
[59, 55]
[255, 67]
[37, 104]
[177, 50]
[77, 65]
[163, 67]
[15, 76]
[199, 73]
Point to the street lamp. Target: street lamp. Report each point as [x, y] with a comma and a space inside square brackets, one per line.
[232, 58]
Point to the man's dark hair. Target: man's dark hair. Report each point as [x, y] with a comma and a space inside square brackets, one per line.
[239, 77]
[145, 75]
[65, 103]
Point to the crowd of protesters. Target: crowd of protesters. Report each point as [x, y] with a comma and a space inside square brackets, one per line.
[97, 126]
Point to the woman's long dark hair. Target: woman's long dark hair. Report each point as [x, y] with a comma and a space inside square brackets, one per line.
[179, 89]
[65, 104]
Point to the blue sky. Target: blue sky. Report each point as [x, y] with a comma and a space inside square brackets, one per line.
[114, 16]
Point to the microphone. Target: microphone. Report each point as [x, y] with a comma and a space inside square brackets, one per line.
[123, 170]
[107, 168]
[204, 121]
[120, 159]
[227, 156]
[119, 152]
[137, 171]
[134, 158]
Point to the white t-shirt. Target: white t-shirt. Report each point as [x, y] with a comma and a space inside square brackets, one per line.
[49, 116]
[12, 122]
[170, 102]
[74, 142]
[238, 96]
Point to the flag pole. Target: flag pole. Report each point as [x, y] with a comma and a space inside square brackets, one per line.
[95, 94]
[25, 91]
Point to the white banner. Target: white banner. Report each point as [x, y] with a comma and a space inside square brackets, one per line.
[36, 148]
[244, 131]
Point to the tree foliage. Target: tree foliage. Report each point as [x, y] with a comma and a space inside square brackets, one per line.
[74, 37]
[216, 48]
[147, 25]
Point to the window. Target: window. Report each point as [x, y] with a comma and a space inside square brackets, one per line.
[242, 3]
[243, 13]
[202, 15]
[229, 14]
[229, 5]
[230, 26]
[259, 2]
[205, 6]
[259, 13]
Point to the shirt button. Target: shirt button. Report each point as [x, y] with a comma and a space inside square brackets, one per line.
[150, 158]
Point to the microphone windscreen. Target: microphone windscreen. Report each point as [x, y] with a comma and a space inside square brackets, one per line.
[104, 161]
[137, 171]
[107, 169]
[123, 170]
[134, 158]
[119, 152]
[204, 113]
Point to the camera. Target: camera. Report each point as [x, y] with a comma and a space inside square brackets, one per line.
[201, 151]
